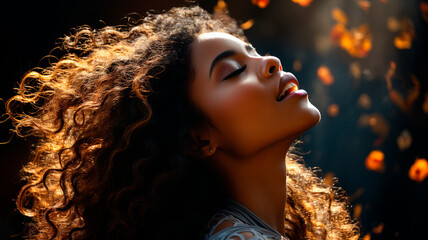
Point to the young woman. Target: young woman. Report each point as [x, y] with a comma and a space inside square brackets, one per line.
[172, 128]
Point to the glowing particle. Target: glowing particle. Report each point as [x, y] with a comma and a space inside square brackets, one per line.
[303, 3]
[425, 104]
[404, 141]
[339, 15]
[379, 126]
[220, 7]
[389, 74]
[364, 101]
[397, 99]
[357, 42]
[325, 75]
[393, 24]
[413, 94]
[355, 69]
[404, 40]
[419, 170]
[367, 236]
[357, 210]
[375, 161]
[260, 3]
[297, 65]
[424, 10]
[378, 229]
[248, 24]
[333, 110]
[364, 4]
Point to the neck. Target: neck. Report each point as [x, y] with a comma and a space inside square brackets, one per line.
[259, 182]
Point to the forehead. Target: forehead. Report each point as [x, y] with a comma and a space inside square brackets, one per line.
[208, 45]
[217, 40]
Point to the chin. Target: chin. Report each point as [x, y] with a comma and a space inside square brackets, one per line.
[312, 117]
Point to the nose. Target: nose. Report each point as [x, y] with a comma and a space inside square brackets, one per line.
[269, 66]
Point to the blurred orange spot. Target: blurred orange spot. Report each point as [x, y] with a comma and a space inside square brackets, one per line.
[364, 101]
[414, 93]
[404, 141]
[221, 6]
[389, 74]
[397, 99]
[375, 161]
[393, 24]
[424, 10]
[324, 75]
[339, 15]
[357, 210]
[404, 104]
[355, 69]
[419, 170]
[425, 104]
[297, 65]
[364, 4]
[303, 3]
[367, 236]
[333, 110]
[248, 24]
[357, 42]
[378, 229]
[380, 126]
[260, 3]
[404, 40]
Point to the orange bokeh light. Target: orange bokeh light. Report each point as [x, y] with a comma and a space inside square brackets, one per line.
[424, 10]
[339, 15]
[419, 170]
[325, 75]
[221, 6]
[303, 3]
[248, 24]
[375, 161]
[356, 41]
[260, 3]
[364, 4]
[405, 39]
[333, 110]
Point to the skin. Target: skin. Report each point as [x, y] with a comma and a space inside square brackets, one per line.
[248, 130]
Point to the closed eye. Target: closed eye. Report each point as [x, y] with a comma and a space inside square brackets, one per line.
[236, 72]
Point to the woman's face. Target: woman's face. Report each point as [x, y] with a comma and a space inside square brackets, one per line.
[242, 95]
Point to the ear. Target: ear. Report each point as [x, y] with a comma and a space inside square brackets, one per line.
[205, 140]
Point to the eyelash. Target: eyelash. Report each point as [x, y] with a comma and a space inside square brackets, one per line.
[236, 72]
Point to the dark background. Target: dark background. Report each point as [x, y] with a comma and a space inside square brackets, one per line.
[337, 145]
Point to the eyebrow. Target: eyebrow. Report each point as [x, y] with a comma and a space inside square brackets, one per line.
[227, 54]
[220, 57]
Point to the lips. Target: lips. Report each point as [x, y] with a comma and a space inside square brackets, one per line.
[287, 84]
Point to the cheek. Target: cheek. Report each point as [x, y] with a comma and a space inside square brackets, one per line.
[240, 112]
[238, 103]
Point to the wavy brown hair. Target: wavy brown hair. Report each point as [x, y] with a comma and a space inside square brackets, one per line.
[115, 158]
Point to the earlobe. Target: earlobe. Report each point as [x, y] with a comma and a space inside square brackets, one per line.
[204, 142]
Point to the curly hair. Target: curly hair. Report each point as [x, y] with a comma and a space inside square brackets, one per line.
[115, 158]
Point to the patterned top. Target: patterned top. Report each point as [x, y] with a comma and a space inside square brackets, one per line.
[244, 223]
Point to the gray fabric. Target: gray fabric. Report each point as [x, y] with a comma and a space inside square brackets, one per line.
[244, 221]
